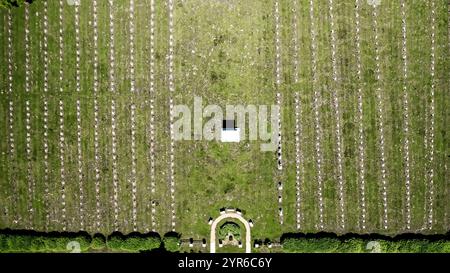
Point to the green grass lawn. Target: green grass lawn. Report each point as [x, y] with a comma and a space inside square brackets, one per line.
[224, 52]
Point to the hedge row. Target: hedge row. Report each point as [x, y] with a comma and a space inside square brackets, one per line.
[13, 3]
[55, 242]
[360, 245]
[133, 242]
[30, 241]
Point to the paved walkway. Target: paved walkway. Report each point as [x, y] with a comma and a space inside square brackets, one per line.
[234, 215]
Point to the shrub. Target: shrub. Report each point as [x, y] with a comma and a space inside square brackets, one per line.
[20, 243]
[325, 245]
[354, 245]
[151, 242]
[307, 245]
[115, 241]
[4, 246]
[444, 246]
[230, 228]
[38, 243]
[172, 243]
[133, 242]
[12, 3]
[84, 240]
[98, 241]
[410, 246]
[50, 243]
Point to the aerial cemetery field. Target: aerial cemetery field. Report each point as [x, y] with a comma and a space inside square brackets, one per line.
[88, 94]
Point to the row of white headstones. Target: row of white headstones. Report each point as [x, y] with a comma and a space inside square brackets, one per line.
[380, 117]
[96, 120]
[30, 185]
[152, 113]
[431, 116]
[112, 89]
[278, 103]
[78, 106]
[12, 149]
[317, 126]
[361, 143]
[133, 118]
[62, 142]
[406, 120]
[46, 153]
[298, 124]
[61, 119]
[170, 4]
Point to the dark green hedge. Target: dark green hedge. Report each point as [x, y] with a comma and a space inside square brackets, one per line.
[30, 241]
[230, 228]
[13, 3]
[35, 242]
[360, 245]
[133, 242]
[98, 241]
[172, 242]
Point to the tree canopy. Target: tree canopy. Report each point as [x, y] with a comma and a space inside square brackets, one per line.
[7, 4]
[230, 228]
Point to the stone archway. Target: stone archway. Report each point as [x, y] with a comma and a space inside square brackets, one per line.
[233, 215]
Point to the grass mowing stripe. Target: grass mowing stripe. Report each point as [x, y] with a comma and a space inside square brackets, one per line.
[133, 123]
[96, 118]
[299, 164]
[170, 4]
[133, 167]
[61, 117]
[442, 101]
[3, 133]
[418, 45]
[46, 116]
[152, 115]
[361, 144]
[299, 174]
[337, 114]
[30, 178]
[11, 177]
[278, 102]
[112, 89]
[317, 126]
[62, 169]
[431, 127]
